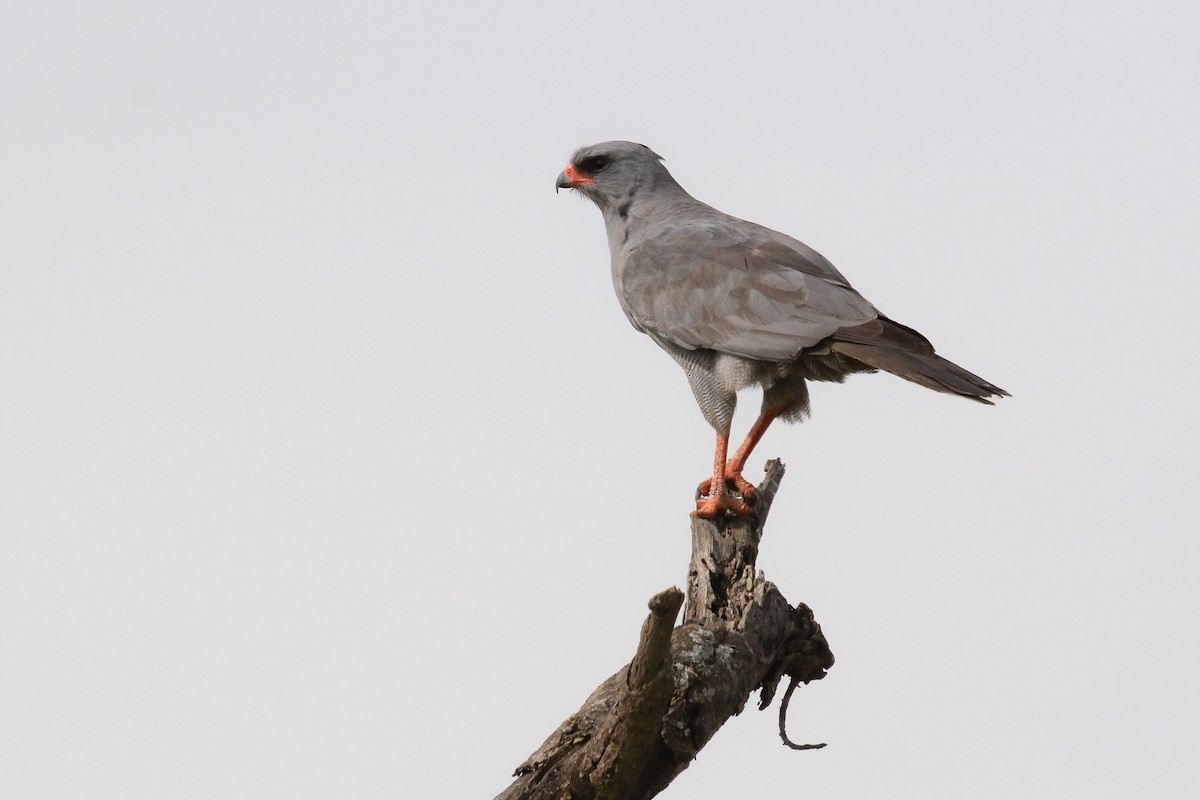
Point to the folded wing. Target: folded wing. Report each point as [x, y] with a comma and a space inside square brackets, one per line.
[736, 287]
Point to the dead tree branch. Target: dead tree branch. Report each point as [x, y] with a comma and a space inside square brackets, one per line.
[645, 724]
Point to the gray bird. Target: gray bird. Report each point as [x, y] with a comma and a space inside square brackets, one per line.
[739, 305]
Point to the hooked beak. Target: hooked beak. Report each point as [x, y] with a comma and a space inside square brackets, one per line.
[571, 178]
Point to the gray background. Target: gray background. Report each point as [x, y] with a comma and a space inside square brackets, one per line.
[329, 466]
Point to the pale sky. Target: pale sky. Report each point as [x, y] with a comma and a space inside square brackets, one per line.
[329, 466]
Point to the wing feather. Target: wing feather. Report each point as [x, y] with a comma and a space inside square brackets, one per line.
[735, 287]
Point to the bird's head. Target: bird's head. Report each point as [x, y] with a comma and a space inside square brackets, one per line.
[610, 174]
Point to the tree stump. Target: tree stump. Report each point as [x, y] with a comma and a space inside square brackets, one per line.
[646, 723]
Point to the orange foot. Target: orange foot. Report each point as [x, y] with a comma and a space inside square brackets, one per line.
[711, 505]
[734, 481]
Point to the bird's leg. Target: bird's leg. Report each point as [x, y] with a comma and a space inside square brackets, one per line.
[733, 470]
[718, 498]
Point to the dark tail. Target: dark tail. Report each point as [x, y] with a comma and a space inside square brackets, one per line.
[928, 369]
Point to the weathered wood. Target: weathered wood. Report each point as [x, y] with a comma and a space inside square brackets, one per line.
[724, 553]
[645, 724]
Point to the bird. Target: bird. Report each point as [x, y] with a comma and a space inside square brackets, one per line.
[738, 305]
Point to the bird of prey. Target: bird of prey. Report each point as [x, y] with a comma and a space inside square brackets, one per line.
[737, 305]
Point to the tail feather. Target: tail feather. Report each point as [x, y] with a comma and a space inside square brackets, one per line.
[927, 369]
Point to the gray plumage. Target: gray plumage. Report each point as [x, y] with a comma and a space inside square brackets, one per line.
[738, 304]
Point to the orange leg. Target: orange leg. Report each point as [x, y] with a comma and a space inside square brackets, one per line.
[732, 471]
[718, 498]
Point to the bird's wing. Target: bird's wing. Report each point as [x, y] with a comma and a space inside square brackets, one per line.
[732, 286]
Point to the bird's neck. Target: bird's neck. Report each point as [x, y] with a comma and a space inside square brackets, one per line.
[638, 207]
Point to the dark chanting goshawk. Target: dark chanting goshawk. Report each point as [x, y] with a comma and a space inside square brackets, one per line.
[739, 305]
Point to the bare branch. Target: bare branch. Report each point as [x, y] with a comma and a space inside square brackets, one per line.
[783, 707]
[646, 723]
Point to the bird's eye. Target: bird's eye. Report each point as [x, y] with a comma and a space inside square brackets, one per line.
[594, 164]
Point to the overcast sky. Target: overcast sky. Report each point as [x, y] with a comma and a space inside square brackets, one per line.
[329, 466]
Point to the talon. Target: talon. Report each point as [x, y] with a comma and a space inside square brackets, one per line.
[745, 488]
[716, 495]
[733, 482]
[712, 506]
